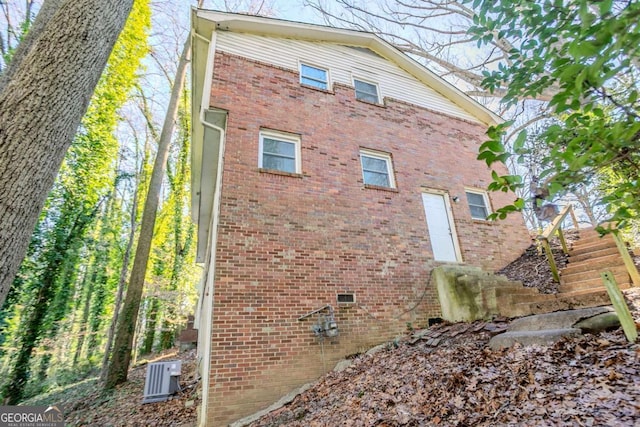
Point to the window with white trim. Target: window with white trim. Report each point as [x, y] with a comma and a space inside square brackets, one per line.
[478, 204]
[376, 169]
[279, 151]
[314, 76]
[366, 91]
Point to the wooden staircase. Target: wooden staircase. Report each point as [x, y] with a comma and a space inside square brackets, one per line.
[580, 283]
[589, 256]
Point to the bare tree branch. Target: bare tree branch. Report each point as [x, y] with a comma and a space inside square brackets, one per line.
[433, 31]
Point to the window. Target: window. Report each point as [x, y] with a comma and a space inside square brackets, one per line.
[376, 169]
[478, 204]
[366, 91]
[312, 76]
[279, 151]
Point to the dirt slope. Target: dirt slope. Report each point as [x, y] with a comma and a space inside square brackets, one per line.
[456, 380]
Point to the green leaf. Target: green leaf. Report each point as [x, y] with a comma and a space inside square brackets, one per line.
[518, 144]
[605, 7]
[488, 157]
[519, 203]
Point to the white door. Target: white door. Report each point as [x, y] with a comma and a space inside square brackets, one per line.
[440, 228]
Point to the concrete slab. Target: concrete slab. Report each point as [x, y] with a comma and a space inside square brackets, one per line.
[557, 320]
[599, 323]
[529, 338]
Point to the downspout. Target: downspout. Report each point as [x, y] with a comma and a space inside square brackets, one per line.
[211, 258]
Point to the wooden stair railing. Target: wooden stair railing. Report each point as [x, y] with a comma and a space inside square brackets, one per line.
[556, 226]
[547, 233]
[628, 262]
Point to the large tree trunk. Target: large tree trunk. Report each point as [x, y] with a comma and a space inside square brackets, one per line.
[46, 12]
[41, 105]
[121, 357]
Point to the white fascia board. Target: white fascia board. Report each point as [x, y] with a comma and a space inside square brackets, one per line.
[288, 29]
[199, 49]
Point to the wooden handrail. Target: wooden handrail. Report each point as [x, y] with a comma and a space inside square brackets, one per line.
[557, 222]
[556, 226]
[626, 258]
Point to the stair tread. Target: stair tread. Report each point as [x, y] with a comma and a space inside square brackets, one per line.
[591, 291]
[588, 248]
[603, 260]
[593, 272]
[591, 255]
[618, 273]
[591, 235]
[570, 290]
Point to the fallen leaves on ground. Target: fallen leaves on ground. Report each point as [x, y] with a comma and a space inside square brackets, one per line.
[85, 404]
[592, 380]
[532, 267]
[124, 407]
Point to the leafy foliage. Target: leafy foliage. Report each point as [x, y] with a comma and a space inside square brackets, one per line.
[586, 52]
[49, 274]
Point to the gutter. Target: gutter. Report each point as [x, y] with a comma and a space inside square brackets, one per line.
[206, 302]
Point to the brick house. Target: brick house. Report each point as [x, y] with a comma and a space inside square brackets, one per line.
[331, 173]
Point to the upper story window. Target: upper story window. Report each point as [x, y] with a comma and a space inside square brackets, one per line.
[478, 204]
[279, 151]
[314, 76]
[366, 91]
[376, 169]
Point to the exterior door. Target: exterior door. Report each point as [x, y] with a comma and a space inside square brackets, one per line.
[440, 226]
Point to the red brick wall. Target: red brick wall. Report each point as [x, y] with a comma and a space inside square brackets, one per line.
[287, 245]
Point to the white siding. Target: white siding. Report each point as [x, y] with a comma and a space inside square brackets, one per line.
[344, 63]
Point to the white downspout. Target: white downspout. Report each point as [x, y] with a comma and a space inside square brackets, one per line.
[207, 293]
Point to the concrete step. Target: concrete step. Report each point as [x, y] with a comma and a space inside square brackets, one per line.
[574, 258]
[518, 299]
[572, 300]
[546, 329]
[567, 277]
[519, 304]
[516, 310]
[591, 264]
[555, 302]
[579, 249]
[513, 290]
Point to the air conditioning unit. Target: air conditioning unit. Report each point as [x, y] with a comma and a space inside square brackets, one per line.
[162, 380]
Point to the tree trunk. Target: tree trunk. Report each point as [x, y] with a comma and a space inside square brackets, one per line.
[85, 318]
[150, 326]
[46, 12]
[121, 285]
[41, 105]
[117, 372]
